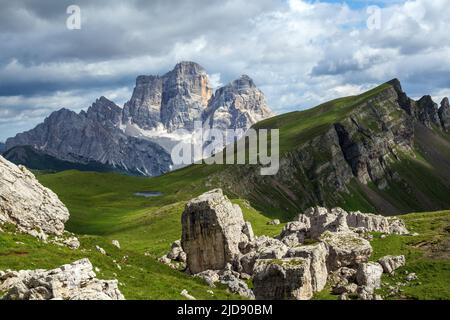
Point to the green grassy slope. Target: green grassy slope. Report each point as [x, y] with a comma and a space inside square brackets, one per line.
[103, 208]
[106, 209]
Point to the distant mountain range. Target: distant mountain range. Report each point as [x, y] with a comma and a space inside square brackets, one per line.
[2, 147]
[138, 137]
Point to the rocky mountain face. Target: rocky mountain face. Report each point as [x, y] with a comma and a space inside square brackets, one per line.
[238, 105]
[94, 135]
[25, 203]
[2, 147]
[118, 137]
[361, 152]
[320, 246]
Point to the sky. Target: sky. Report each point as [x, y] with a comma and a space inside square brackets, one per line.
[299, 53]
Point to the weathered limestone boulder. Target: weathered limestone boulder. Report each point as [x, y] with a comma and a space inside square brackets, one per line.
[261, 248]
[274, 222]
[322, 219]
[397, 226]
[316, 220]
[392, 263]
[283, 279]
[369, 275]
[345, 249]
[176, 258]
[295, 233]
[176, 253]
[27, 204]
[116, 243]
[229, 278]
[342, 277]
[76, 281]
[212, 231]
[376, 223]
[317, 255]
[235, 285]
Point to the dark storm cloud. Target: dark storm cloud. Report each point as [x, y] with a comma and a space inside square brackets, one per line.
[299, 52]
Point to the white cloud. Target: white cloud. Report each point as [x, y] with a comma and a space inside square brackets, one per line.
[300, 53]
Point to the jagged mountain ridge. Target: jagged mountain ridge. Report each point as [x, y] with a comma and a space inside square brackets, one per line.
[138, 138]
[379, 151]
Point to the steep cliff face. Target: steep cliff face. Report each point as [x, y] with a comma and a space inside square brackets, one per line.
[358, 151]
[444, 114]
[184, 95]
[173, 101]
[144, 108]
[238, 105]
[139, 137]
[94, 135]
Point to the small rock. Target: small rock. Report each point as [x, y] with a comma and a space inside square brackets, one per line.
[411, 277]
[186, 294]
[275, 222]
[116, 244]
[72, 242]
[101, 250]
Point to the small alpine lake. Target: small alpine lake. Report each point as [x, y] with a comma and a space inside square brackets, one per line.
[148, 194]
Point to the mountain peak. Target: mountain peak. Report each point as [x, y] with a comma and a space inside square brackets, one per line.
[189, 67]
[244, 82]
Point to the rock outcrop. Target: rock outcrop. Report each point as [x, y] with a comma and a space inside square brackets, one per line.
[76, 281]
[285, 279]
[316, 220]
[346, 249]
[24, 202]
[212, 231]
[392, 263]
[322, 246]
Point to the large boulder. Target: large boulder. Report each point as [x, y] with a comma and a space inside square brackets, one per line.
[212, 229]
[368, 275]
[76, 281]
[282, 279]
[392, 263]
[27, 204]
[346, 249]
[317, 255]
[261, 248]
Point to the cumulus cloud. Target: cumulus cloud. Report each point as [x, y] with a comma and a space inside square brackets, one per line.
[300, 53]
